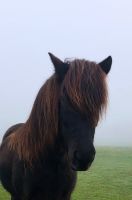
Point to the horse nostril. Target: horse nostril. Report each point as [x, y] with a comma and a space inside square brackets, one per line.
[82, 160]
[87, 156]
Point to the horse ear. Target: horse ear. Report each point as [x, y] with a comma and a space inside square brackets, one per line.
[106, 64]
[61, 68]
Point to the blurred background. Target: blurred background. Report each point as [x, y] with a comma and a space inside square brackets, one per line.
[70, 29]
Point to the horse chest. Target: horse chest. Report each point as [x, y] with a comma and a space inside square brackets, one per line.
[49, 181]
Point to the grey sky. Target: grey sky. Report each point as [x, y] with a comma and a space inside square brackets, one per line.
[81, 28]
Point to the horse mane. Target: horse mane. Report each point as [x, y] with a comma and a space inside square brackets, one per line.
[41, 128]
[85, 86]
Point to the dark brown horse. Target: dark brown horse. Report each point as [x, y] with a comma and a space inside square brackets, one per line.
[39, 158]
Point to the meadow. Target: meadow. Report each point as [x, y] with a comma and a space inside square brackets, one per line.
[109, 178]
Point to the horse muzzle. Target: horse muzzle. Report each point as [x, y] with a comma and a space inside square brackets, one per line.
[82, 163]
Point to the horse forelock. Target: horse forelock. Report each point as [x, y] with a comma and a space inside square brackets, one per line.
[85, 85]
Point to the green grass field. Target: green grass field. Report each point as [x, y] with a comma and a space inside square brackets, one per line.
[109, 178]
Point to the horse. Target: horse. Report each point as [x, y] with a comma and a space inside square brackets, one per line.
[39, 159]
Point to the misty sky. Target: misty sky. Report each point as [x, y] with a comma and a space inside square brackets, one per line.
[72, 28]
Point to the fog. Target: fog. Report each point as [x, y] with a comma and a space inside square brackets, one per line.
[82, 29]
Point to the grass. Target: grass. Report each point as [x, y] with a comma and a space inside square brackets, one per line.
[109, 178]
